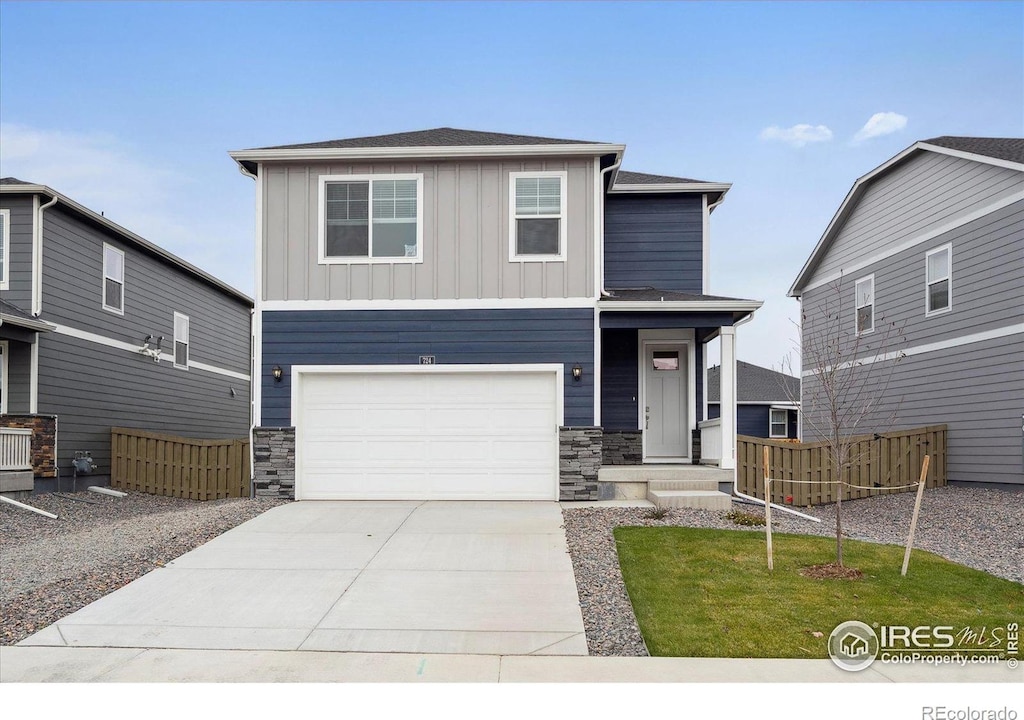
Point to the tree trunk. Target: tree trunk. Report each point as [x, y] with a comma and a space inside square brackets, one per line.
[839, 526]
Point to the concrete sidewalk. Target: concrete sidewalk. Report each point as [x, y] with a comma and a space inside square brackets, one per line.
[111, 665]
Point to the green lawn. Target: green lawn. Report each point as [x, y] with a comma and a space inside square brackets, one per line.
[708, 593]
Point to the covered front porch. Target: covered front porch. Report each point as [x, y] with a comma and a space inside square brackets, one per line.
[656, 436]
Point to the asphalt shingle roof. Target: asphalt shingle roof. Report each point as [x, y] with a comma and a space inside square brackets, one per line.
[436, 137]
[1011, 149]
[13, 181]
[756, 384]
[627, 177]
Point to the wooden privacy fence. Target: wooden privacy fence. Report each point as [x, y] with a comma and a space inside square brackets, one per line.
[802, 473]
[178, 466]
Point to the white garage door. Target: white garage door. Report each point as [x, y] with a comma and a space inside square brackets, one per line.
[436, 433]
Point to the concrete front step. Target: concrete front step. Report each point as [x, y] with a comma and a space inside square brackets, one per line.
[703, 499]
[683, 484]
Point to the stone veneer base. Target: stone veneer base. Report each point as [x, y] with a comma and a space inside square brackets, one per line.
[273, 450]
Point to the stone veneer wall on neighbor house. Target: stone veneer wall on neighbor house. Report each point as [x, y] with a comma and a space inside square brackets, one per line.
[622, 448]
[273, 451]
[579, 459]
[44, 441]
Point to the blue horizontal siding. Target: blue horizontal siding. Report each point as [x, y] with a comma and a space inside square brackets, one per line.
[752, 420]
[400, 337]
[654, 241]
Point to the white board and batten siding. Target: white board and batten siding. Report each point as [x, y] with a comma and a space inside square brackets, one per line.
[465, 252]
[427, 432]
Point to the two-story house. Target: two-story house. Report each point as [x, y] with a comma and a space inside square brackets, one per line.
[931, 242]
[101, 328]
[473, 315]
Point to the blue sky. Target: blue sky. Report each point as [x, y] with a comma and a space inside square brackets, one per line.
[130, 108]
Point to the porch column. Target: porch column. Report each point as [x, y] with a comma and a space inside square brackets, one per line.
[727, 396]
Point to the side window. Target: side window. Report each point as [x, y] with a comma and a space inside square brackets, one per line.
[113, 279]
[864, 293]
[537, 216]
[5, 247]
[778, 423]
[939, 276]
[181, 341]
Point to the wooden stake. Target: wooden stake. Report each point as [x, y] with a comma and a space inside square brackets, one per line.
[768, 511]
[917, 510]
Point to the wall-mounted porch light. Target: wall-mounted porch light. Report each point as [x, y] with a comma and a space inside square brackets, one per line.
[278, 373]
[577, 372]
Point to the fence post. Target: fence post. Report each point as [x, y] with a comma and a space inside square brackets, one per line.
[917, 510]
[768, 510]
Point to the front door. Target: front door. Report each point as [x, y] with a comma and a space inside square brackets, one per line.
[666, 426]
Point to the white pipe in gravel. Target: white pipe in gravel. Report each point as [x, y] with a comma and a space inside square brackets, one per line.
[23, 506]
[107, 491]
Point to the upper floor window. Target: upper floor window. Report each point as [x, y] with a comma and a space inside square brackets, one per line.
[864, 293]
[537, 216]
[370, 218]
[181, 341]
[113, 279]
[778, 423]
[5, 247]
[939, 270]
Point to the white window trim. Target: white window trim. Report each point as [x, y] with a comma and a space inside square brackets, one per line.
[5, 245]
[856, 307]
[4, 367]
[785, 433]
[321, 236]
[563, 176]
[188, 341]
[948, 248]
[124, 272]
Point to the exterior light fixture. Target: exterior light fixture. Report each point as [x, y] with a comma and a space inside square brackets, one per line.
[577, 372]
[278, 373]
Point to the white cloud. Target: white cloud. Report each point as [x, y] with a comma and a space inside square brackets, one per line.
[798, 135]
[879, 124]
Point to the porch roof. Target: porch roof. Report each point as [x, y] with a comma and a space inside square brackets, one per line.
[639, 307]
[13, 315]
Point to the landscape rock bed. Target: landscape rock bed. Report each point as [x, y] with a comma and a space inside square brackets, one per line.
[51, 568]
[982, 528]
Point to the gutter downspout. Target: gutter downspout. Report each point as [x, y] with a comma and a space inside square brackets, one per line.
[600, 235]
[735, 478]
[37, 260]
[254, 377]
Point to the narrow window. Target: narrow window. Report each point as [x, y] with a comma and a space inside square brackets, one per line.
[5, 231]
[779, 422]
[939, 268]
[865, 304]
[113, 279]
[537, 212]
[180, 341]
[369, 219]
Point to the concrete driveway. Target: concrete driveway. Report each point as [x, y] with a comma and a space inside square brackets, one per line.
[411, 577]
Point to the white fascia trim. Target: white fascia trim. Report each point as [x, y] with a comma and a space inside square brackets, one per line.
[797, 288]
[913, 242]
[321, 239]
[446, 369]
[679, 306]
[440, 304]
[423, 152]
[123, 233]
[671, 188]
[35, 324]
[993, 334]
[134, 349]
[563, 176]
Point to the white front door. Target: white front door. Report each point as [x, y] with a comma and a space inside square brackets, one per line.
[666, 426]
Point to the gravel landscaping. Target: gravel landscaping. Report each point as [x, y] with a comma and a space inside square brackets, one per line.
[50, 568]
[978, 527]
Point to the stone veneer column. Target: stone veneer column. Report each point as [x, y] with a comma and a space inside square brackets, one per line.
[273, 452]
[579, 459]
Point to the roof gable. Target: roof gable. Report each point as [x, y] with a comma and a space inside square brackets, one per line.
[435, 137]
[756, 384]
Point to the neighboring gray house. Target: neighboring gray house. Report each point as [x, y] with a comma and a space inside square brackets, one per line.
[933, 241]
[101, 328]
[767, 401]
[473, 315]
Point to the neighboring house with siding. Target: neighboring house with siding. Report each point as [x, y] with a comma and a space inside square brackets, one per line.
[933, 242]
[461, 314]
[101, 328]
[767, 401]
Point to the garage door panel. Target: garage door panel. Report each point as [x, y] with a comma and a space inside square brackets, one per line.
[411, 435]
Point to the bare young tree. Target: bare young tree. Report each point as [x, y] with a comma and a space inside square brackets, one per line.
[848, 360]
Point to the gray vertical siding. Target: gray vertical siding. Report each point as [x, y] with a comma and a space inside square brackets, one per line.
[465, 218]
[924, 193]
[19, 292]
[18, 370]
[400, 337]
[654, 241]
